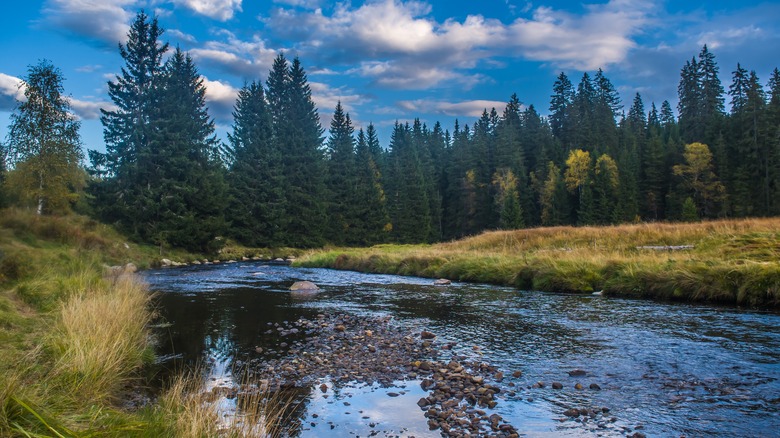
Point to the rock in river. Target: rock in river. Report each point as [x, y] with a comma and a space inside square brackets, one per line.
[304, 286]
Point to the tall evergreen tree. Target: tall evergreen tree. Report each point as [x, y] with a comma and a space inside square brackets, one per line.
[560, 108]
[255, 178]
[341, 181]
[185, 190]
[298, 134]
[43, 144]
[118, 190]
[408, 202]
[373, 223]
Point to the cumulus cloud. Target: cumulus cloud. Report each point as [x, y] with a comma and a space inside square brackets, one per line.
[399, 45]
[105, 21]
[222, 10]
[466, 108]
[10, 92]
[89, 110]
[220, 98]
[248, 59]
[181, 36]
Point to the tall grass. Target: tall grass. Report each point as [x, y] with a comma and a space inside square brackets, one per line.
[102, 338]
[731, 262]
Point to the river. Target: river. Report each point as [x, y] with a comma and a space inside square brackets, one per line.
[664, 369]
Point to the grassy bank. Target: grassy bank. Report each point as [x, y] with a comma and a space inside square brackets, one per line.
[74, 335]
[731, 261]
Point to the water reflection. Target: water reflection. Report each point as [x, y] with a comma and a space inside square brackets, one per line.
[672, 369]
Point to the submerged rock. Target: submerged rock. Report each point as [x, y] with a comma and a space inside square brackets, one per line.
[304, 285]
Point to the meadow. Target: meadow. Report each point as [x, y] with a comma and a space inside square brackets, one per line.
[734, 262]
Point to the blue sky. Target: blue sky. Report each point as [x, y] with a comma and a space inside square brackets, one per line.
[389, 60]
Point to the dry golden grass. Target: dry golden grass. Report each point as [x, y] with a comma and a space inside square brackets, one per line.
[101, 338]
[731, 261]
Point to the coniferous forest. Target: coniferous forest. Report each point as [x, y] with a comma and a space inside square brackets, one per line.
[282, 179]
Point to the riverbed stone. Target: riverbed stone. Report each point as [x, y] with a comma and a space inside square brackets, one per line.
[304, 285]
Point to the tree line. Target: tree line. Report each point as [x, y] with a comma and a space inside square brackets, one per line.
[279, 181]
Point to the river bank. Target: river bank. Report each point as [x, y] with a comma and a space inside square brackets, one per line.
[732, 262]
[75, 336]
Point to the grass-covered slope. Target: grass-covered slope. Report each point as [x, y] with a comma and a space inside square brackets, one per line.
[730, 261]
[72, 338]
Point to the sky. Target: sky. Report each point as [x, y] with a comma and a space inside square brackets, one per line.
[392, 60]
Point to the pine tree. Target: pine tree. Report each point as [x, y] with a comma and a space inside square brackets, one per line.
[255, 177]
[712, 101]
[185, 191]
[584, 115]
[341, 181]
[373, 223]
[298, 137]
[772, 134]
[43, 144]
[408, 202]
[560, 108]
[118, 190]
[553, 199]
[688, 107]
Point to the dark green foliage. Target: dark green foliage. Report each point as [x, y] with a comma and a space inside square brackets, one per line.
[117, 189]
[255, 179]
[298, 135]
[342, 180]
[406, 187]
[372, 221]
[185, 187]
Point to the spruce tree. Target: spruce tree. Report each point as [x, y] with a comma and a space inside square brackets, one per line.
[186, 191]
[298, 137]
[373, 223]
[560, 108]
[408, 202]
[255, 177]
[341, 182]
[119, 190]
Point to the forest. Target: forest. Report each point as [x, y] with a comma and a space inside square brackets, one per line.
[165, 177]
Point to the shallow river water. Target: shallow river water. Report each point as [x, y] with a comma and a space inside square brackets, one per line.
[664, 369]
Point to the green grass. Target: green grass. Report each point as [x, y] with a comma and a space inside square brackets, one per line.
[74, 336]
[734, 262]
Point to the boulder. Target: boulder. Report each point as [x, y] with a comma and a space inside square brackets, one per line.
[442, 282]
[166, 262]
[304, 285]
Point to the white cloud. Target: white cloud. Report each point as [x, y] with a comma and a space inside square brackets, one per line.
[470, 108]
[105, 21]
[181, 36]
[248, 59]
[222, 10]
[399, 45]
[220, 98]
[730, 36]
[10, 92]
[89, 110]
